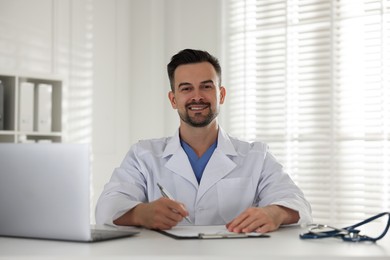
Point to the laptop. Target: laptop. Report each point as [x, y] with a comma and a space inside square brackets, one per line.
[45, 193]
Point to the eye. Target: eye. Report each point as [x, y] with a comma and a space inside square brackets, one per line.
[185, 89]
[208, 86]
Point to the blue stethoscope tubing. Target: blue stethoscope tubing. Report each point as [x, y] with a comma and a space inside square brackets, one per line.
[350, 233]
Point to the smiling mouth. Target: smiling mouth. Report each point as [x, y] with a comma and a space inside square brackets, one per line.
[197, 107]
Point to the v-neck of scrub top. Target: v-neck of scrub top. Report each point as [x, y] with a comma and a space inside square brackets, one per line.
[198, 164]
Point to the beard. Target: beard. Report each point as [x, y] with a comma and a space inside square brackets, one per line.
[198, 120]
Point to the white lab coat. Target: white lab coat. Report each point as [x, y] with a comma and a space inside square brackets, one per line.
[238, 175]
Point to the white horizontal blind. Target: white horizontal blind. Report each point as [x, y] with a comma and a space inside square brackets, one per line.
[312, 79]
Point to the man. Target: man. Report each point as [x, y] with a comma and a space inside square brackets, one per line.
[214, 178]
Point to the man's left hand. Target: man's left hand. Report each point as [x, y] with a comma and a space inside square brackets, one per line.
[262, 220]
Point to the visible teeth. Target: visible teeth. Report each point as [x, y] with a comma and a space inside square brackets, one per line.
[196, 108]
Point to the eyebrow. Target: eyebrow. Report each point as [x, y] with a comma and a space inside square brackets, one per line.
[207, 81]
[184, 84]
[189, 84]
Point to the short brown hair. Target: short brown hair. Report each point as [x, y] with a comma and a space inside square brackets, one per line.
[189, 56]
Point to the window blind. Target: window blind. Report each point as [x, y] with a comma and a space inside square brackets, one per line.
[311, 78]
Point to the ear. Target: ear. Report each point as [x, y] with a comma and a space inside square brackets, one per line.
[172, 99]
[222, 94]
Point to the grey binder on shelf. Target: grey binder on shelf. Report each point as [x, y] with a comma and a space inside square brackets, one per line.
[2, 101]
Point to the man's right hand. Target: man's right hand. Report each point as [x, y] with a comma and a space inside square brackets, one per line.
[160, 214]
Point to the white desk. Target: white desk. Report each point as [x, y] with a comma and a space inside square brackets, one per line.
[283, 244]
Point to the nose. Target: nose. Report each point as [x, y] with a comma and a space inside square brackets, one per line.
[197, 95]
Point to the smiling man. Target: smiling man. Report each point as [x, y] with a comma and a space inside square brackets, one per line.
[215, 178]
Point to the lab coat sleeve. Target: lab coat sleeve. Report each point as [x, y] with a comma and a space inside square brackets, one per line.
[125, 190]
[277, 188]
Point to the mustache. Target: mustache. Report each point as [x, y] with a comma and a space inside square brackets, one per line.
[198, 103]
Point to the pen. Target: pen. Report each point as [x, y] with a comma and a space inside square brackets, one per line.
[165, 194]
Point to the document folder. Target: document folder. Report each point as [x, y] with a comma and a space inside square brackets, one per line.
[26, 107]
[2, 102]
[43, 108]
[207, 232]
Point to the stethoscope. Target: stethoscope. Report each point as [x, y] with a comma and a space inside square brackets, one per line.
[350, 233]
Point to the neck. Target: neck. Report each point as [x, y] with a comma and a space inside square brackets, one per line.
[199, 138]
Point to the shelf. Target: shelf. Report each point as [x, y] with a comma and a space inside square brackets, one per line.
[32, 108]
[7, 132]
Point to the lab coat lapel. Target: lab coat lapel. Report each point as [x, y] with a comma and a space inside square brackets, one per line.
[178, 161]
[219, 165]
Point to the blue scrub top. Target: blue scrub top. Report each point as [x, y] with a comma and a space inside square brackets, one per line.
[198, 163]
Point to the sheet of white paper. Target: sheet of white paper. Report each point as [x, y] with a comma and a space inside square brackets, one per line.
[194, 231]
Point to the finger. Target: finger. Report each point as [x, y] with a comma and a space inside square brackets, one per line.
[184, 209]
[178, 208]
[235, 224]
[250, 224]
[248, 221]
[165, 219]
[167, 223]
[174, 215]
[265, 229]
[160, 215]
[166, 211]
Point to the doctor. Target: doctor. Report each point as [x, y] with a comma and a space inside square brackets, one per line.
[214, 178]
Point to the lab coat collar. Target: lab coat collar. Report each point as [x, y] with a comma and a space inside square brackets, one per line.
[224, 144]
[220, 163]
[178, 161]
